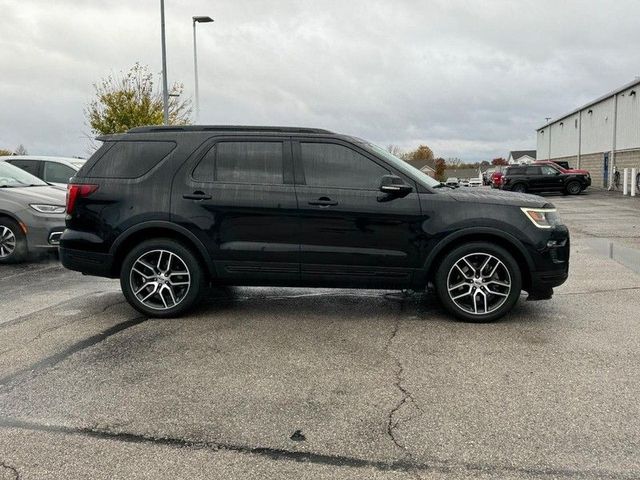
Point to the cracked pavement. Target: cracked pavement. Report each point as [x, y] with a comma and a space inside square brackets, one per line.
[377, 384]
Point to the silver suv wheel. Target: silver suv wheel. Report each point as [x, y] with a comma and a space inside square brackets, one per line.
[7, 241]
[478, 283]
[160, 279]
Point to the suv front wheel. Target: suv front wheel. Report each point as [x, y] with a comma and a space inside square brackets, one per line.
[478, 282]
[162, 278]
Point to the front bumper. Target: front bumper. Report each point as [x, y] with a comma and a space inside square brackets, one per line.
[43, 230]
[551, 259]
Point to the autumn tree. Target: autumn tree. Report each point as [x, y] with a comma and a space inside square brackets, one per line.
[422, 153]
[499, 161]
[130, 100]
[4, 152]
[440, 165]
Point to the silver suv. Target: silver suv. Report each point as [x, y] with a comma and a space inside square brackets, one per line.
[31, 214]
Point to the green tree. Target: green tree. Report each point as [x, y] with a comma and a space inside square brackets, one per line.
[440, 165]
[130, 100]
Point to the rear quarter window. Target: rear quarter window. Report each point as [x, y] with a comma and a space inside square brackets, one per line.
[127, 159]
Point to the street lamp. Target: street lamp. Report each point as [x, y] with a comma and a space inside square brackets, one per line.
[197, 19]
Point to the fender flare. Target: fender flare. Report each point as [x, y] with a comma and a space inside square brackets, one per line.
[449, 239]
[152, 224]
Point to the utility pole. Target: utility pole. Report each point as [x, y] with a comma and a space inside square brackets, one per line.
[165, 87]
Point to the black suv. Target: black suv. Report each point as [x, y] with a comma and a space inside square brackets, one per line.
[543, 178]
[171, 210]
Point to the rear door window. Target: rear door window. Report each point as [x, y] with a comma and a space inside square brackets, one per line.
[252, 162]
[130, 159]
[533, 171]
[515, 171]
[57, 172]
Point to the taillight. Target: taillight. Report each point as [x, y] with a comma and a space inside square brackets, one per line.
[78, 190]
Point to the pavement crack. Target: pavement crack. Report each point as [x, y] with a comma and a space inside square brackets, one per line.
[9, 472]
[406, 399]
[56, 358]
[407, 465]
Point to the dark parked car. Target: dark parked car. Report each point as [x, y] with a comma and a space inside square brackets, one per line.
[543, 178]
[169, 210]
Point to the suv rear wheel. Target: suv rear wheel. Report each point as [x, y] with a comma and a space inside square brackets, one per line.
[13, 243]
[162, 278]
[478, 282]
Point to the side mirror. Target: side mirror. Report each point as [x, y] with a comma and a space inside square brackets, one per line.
[394, 185]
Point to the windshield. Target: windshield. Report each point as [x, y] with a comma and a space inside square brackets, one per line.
[403, 166]
[11, 176]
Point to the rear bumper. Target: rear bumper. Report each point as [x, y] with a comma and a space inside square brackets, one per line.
[88, 263]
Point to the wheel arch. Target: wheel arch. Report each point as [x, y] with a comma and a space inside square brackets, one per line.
[497, 237]
[157, 229]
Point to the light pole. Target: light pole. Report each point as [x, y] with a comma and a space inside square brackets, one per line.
[165, 88]
[197, 19]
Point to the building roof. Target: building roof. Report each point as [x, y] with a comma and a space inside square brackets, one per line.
[634, 83]
[516, 154]
[420, 164]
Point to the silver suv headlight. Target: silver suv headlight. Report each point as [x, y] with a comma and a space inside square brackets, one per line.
[47, 208]
[542, 217]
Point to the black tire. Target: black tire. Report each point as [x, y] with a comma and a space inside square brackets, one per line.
[196, 277]
[519, 188]
[13, 242]
[476, 250]
[573, 188]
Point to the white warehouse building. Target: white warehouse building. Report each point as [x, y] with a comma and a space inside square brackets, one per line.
[598, 136]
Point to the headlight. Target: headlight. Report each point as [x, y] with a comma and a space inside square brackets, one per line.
[542, 217]
[47, 208]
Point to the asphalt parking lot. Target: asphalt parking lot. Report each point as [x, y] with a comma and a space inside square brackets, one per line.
[298, 383]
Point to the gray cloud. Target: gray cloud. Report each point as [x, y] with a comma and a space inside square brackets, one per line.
[470, 79]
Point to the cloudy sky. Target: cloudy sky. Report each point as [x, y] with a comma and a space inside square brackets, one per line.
[472, 79]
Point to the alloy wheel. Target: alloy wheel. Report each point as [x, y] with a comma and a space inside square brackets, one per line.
[7, 241]
[160, 279]
[479, 283]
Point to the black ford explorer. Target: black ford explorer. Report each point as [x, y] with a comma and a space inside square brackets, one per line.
[170, 210]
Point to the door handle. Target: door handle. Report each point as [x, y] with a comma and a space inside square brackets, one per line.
[196, 196]
[323, 202]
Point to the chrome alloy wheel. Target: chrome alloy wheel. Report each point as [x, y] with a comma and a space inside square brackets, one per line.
[479, 283]
[160, 279]
[7, 241]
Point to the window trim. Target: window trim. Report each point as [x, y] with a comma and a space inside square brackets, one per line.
[299, 174]
[287, 177]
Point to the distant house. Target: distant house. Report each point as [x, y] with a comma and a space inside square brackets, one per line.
[422, 166]
[521, 157]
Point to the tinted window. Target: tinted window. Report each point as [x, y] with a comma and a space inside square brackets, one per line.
[533, 171]
[130, 159]
[331, 165]
[242, 162]
[30, 166]
[546, 170]
[515, 171]
[57, 172]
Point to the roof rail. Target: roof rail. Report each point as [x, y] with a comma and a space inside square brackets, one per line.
[224, 128]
